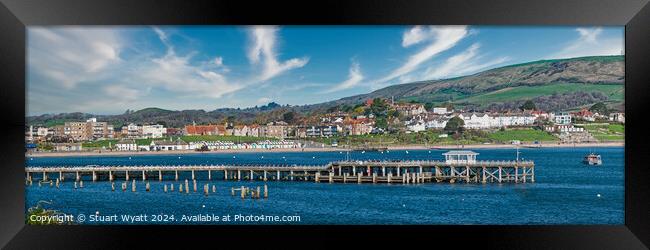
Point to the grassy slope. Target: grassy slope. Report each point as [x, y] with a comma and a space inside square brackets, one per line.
[614, 91]
[611, 132]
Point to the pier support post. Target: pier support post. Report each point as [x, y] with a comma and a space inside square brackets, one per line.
[291, 175]
[340, 170]
[144, 176]
[277, 178]
[354, 171]
[77, 178]
[225, 174]
[159, 175]
[390, 176]
[383, 171]
[524, 175]
[44, 176]
[532, 177]
[94, 176]
[466, 174]
[483, 181]
[265, 175]
[266, 192]
[399, 172]
[345, 178]
[374, 177]
[331, 175]
[176, 175]
[110, 175]
[192, 174]
[127, 175]
[500, 174]
[238, 174]
[316, 177]
[209, 175]
[250, 176]
[516, 174]
[61, 175]
[359, 178]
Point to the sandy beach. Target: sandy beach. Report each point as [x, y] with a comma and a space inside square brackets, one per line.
[325, 149]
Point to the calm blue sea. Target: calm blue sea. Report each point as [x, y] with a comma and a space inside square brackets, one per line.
[565, 192]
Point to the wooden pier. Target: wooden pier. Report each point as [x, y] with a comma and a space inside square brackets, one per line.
[459, 166]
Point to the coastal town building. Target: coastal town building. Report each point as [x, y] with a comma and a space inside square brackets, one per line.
[410, 109]
[153, 131]
[322, 131]
[277, 129]
[77, 131]
[67, 147]
[617, 117]
[562, 118]
[440, 111]
[126, 145]
[203, 130]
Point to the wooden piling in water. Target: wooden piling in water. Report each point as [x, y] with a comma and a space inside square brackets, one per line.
[194, 185]
[165, 188]
[133, 186]
[214, 188]
[257, 193]
[113, 186]
[146, 186]
[81, 184]
[243, 192]
[331, 177]
[187, 186]
[266, 192]
[171, 187]
[159, 175]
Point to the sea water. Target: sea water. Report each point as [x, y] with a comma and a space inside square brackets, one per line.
[565, 192]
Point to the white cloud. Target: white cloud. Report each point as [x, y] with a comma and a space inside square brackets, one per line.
[462, 63]
[179, 74]
[415, 35]
[121, 93]
[262, 50]
[590, 43]
[354, 78]
[71, 55]
[442, 38]
[264, 100]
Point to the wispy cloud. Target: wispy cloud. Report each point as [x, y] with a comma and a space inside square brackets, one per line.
[354, 78]
[462, 63]
[442, 38]
[262, 50]
[71, 55]
[178, 74]
[590, 43]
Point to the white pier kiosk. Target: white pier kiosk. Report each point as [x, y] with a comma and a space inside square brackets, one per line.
[460, 157]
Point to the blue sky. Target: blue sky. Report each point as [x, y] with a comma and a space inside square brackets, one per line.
[109, 69]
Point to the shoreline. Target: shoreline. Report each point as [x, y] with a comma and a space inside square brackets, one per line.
[326, 149]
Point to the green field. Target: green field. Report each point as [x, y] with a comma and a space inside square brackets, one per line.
[607, 132]
[99, 144]
[524, 135]
[615, 92]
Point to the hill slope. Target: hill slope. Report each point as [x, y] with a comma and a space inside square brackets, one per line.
[552, 84]
[588, 72]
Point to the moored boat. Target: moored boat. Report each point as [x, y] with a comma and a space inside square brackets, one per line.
[592, 159]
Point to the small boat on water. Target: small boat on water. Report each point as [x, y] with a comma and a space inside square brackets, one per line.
[592, 159]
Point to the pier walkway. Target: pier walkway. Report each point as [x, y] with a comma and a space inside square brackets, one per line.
[454, 170]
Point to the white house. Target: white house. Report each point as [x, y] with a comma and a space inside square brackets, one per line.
[416, 126]
[126, 145]
[440, 111]
[153, 131]
[562, 118]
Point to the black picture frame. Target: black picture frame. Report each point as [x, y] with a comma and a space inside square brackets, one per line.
[15, 15]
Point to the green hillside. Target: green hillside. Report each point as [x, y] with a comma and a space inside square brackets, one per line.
[614, 92]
